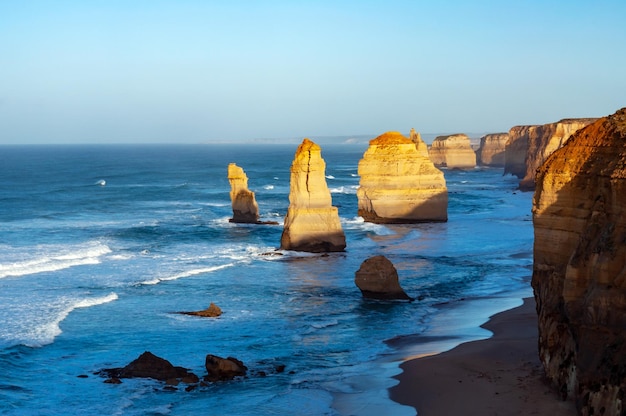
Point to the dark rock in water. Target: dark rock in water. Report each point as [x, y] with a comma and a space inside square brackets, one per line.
[221, 369]
[377, 278]
[211, 312]
[149, 365]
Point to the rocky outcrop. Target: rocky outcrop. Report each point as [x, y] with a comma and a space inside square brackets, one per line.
[223, 369]
[492, 149]
[312, 223]
[148, 365]
[454, 152]
[579, 271]
[377, 278]
[212, 311]
[530, 146]
[399, 184]
[245, 207]
[420, 145]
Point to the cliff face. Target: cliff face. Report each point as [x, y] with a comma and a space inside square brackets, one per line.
[245, 207]
[399, 184]
[530, 146]
[422, 148]
[579, 272]
[492, 149]
[454, 151]
[312, 223]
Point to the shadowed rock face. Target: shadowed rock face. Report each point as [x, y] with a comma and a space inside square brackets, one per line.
[529, 146]
[312, 223]
[245, 208]
[454, 151]
[579, 271]
[492, 149]
[377, 278]
[400, 184]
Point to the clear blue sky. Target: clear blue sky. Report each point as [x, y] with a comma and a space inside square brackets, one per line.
[104, 71]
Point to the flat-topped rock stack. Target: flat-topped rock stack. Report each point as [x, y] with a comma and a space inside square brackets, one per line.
[492, 149]
[453, 151]
[399, 184]
[245, 207]
[579, 271]
[312, 223]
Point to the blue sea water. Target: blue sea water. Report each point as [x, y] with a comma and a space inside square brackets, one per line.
[100, 246]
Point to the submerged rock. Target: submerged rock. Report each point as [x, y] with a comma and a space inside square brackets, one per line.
[211, 312]
[453, 151]
[312, 223]
[148, 365]
[399, 183]
[579, 270]
[377, 278]
[245, 207]
[223, 369]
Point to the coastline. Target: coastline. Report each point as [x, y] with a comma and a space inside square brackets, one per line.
[495, 376]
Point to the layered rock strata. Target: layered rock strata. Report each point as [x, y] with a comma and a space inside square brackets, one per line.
[453, 151]
[312, 223]
[377, 278]
[492, 149]
[399, 184]
[416, 138]
[579, 272]
[530, 146]
[245, 207]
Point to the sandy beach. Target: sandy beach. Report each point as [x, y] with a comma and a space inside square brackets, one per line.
[501, 375]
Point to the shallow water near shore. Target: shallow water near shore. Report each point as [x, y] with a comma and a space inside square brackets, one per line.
[100, 246]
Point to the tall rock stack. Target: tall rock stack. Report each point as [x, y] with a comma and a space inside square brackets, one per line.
[579, 272]
[245, 207]
[492, 149]
[453, 151]
[399, 184]
[530, 146]
[312, 223]
[416, 138]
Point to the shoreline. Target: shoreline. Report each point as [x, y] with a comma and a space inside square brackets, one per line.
[494, 376]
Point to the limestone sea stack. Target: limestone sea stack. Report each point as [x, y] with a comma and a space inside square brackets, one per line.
[312, 223]
[579, 271]
[492, 149]
[453, 151]
[531, 145]
[416, 138]
[245, 207]
[399, 184]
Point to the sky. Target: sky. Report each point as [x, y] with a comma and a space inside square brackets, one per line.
[201, 71]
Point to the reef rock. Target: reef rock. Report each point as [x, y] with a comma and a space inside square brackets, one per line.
[148, 365]
[579, 271]
[212, 311]
[312, 223]
[245, 207]
[530, 146]
[223, 369]
[399, 184]
[377, 278]
[492, 149]
[454, 152]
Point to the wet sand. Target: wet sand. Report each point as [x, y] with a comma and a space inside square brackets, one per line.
[501, 375]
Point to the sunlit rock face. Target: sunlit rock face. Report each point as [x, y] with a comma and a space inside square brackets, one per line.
[416, 138]
[530, 146]
[245, 207]
[454, 152]
[579, 272]
[312, 223]
[492, 149]
[377, 278]
[399, 184]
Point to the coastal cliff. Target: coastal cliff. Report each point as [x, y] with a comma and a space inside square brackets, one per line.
[399, 183]
[312, 223]
[492, 149]
[453, 151]
[530, 146]
[579, 271]
[245, 207]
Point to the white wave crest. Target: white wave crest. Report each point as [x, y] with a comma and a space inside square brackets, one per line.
[360, 224]
[268, 187]
[53, 258]
[330, 177]
[187, 273]
[351, 190]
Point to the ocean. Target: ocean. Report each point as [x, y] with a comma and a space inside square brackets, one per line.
[102, 245]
